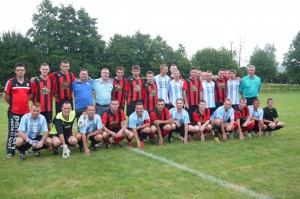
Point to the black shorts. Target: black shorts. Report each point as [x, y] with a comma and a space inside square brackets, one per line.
[256, 126]
[28, 146]
[66, 136]
[48, 116]
[180, 130]
[138, 131]
[131, 107]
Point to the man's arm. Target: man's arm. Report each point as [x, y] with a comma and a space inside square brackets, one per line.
[6, 97]
[185, 99]
[143, 126]
[138, 142]
[113, 134]
[124, 126]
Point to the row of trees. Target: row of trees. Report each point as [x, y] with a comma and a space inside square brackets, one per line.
[61, 32]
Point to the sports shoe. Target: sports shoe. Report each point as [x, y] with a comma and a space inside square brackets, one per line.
[118, 145]
[10, 155]
[216, 139]
[271, 133]
[151, 140]
[22, 156]
[170, 138]
[55, 151]
[130, 144]
[37, 154]
[107, 146]
[230, 135]
[142, 144]
[253, 133]
[93, 147]
[180, 138]
[27, 152]
[249, 135]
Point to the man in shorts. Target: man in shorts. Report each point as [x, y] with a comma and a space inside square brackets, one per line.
[271, 118]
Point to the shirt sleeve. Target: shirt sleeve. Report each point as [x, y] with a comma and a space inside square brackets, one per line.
[200, 85]
[8, 87]
[167, 114]
[99, 123]
[153, 116]
[236, 114]
[186, 118]
[123, 116]
[22, 126]
[185, 86]
[44, 125]
[104, 118]
[196, 117]
[132, 122]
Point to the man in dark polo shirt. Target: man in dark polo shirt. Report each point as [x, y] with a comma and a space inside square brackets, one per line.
[17, 93]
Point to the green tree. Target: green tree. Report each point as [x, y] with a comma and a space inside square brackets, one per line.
[16, 48]
[292, 60]
[214, 59]
[60, 33]
[265, 62]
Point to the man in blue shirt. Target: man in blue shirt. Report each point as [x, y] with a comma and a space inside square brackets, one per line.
[90, 128]
[31, 126]
[103, 88]
[250, 85]
[222, 120]
[139, 124]
[83, 92]
[257, 115]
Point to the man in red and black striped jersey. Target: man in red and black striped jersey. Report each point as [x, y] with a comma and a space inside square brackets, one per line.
[43, 90]
[242, 117]
[149, 92]
[119, 84]
[161, 122]
[201, 118]
[192, 91]
[115, 125]
[63, 81]
[134, 87]
[17, 93]
[220, 88]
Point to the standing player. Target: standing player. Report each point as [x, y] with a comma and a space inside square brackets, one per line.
[43, 91]
[83, 92]
[250, 85]
[134, 87]
[90, 128]
[257, 115]
[173, 67]
[31, 126]
[17, 93]
[139, 124]
[220, 88]
[161, 122]
[63, 81]
[201, 117]
[103, 88]
[149, 92]
[181, 120]
[233, 86]
[119, 84]
[222, 120]
[114, 125]
[242, 117]
[162, 80]
[209, 92]
[192, 91]
[271, 117]
[175, 88]
[61, 131]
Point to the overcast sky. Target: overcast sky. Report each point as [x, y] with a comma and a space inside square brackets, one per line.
[194, 23]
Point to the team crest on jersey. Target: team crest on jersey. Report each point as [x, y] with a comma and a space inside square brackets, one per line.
[137, 88]
[222, 85]
[193, 88]
[45, 91]
[117, 87]
[152, 93]
[114, 123]
[65, 85]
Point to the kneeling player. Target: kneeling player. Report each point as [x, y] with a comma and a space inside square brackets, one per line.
[161, 122]
[257, 115]
[242, 117]
[61, 131]
[271, 118]
[31, 126]
[90, 128]
[181, 120]
[201, 116]
[114, 125]
[139, 124]
[222, 120]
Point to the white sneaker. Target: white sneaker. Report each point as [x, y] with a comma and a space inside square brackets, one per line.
[249, 135]
[230, 135]
[66, 151]
[180, 138]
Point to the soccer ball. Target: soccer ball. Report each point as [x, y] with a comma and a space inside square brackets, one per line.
[81, 122]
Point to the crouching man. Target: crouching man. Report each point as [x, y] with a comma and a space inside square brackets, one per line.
[90, 128]
[31, 127]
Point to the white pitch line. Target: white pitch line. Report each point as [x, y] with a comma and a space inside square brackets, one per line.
[202, 175]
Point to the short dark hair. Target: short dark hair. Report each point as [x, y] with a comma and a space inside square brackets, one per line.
[149, 72]
[160, 100]
[19, 65]
[36, 104]
[202, 101]
[221, 69]
[136, 67]
[138, 104]
[232, 71]
[119, 68]
[64, 62]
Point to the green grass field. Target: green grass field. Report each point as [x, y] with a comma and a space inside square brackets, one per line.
[268, 166]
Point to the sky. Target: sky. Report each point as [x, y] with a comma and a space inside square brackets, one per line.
[196, 24]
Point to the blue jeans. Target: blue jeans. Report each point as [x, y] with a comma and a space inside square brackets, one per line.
[101, 108]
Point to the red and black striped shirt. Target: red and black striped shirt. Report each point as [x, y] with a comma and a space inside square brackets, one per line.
[198, 117]
[43, 91]
[113, 121]
[118, 92]
[241, 114]
[149, 94]
[134, 89]
[193, 87]
[220, 89]
[63, 85]
[19, 95]
[155, 115]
